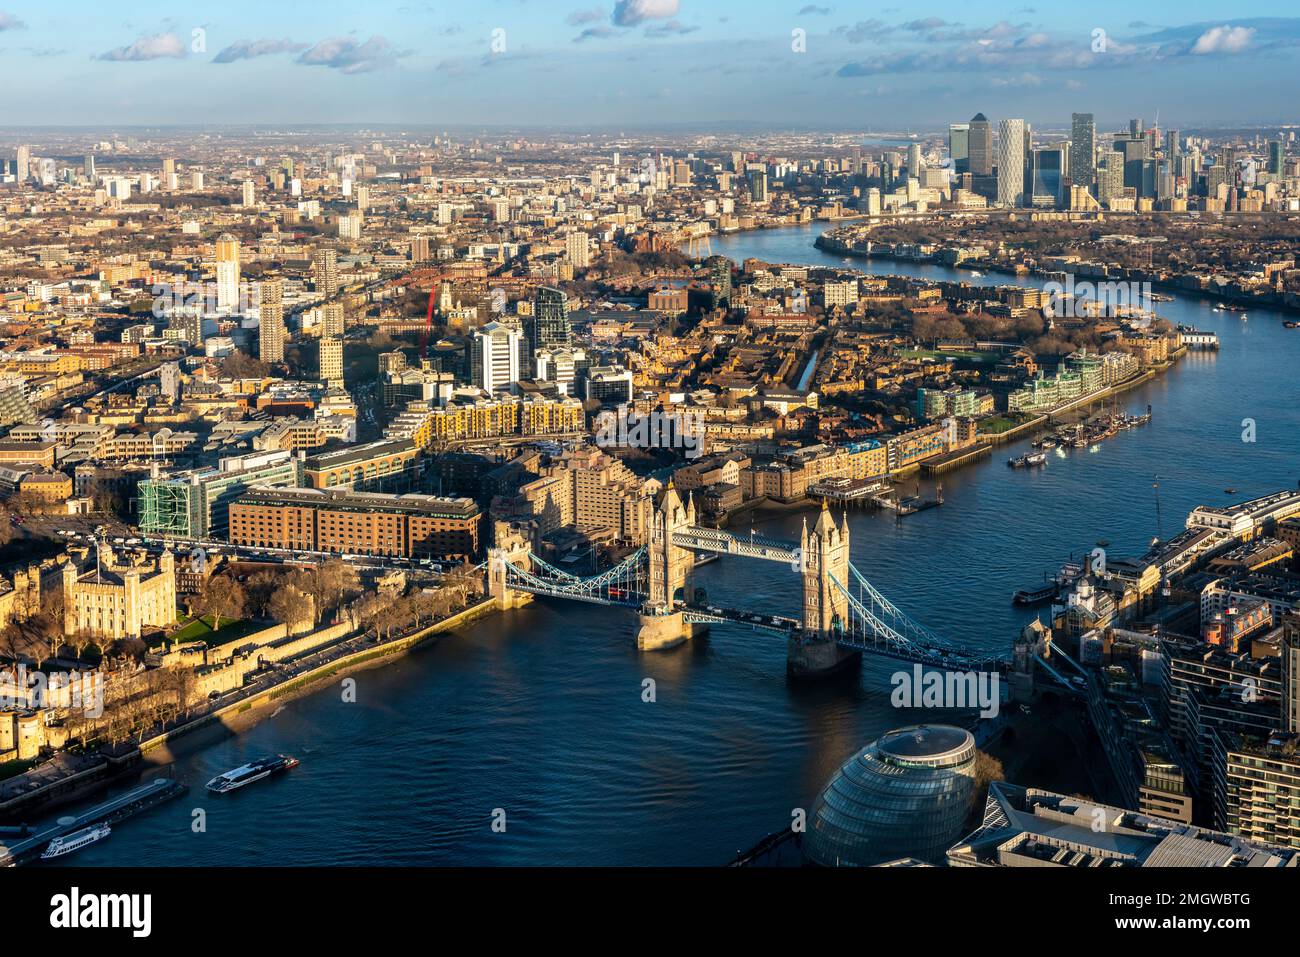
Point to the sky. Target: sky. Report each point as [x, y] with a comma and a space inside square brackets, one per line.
[646, 64]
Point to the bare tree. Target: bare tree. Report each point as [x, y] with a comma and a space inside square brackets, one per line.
[289, 605]
[222, 597]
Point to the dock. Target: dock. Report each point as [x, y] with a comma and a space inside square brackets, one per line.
[125, 805]
[946, 461]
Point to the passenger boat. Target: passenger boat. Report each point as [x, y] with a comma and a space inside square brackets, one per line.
[1035, 596]
[75, 841]
[1028, 460]
[248, 773]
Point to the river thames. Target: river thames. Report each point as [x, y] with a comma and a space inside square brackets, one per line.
[540, 712]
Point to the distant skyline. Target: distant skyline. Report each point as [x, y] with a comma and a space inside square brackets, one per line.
[639, 64]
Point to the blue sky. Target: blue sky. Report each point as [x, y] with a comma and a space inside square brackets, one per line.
[625, 64]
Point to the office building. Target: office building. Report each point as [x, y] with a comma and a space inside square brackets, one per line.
[549, 325]
[914, 162]
[1083, 150]
[375, 466]
[494, 357]
[719, 268]
[611, 386]
[196, 504]
[980, 146]
[1011, 162]
[1029, 827]
[1276, 156]
[959, 147]
[1048, 176]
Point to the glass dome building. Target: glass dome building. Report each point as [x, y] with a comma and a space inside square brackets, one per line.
[906, 794]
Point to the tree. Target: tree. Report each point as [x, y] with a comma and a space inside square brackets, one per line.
[261, 588]
[240, 365]
[289, 605]
[987, 770]
[222, 597]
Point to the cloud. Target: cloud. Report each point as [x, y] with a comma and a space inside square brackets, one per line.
[250, 49]
[630, 13]
[865, 30]
[595, 33]
[814, 11]
[156, 46]
[1224, 39]
[671, 28]
[1258, 34]
[926, 25]
[578, 17]
[348, 56]
[10, 22]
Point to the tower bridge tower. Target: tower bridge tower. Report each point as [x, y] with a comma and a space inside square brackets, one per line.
[671, 567]
[824, 554]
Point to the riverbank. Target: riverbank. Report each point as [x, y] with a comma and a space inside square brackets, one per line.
[834, 246]
[230, 719]
[247, 711]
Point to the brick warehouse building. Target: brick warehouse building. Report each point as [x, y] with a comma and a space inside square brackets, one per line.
[362, 523]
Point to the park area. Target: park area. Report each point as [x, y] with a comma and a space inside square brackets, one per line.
[214, 631]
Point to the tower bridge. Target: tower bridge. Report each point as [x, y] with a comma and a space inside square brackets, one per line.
[842, 614]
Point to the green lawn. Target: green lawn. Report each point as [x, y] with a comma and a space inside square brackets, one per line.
[202, 629]
[967, 354]
[1001, 423]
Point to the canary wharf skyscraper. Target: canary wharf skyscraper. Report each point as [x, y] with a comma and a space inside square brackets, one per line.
[1011, 162]
[959, 147]
[1083, 150]
[980, 146]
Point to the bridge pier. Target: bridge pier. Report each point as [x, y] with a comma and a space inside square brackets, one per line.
[658, 630]
[818, 656]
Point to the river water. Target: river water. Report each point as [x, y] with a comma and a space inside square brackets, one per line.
[539, 714]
